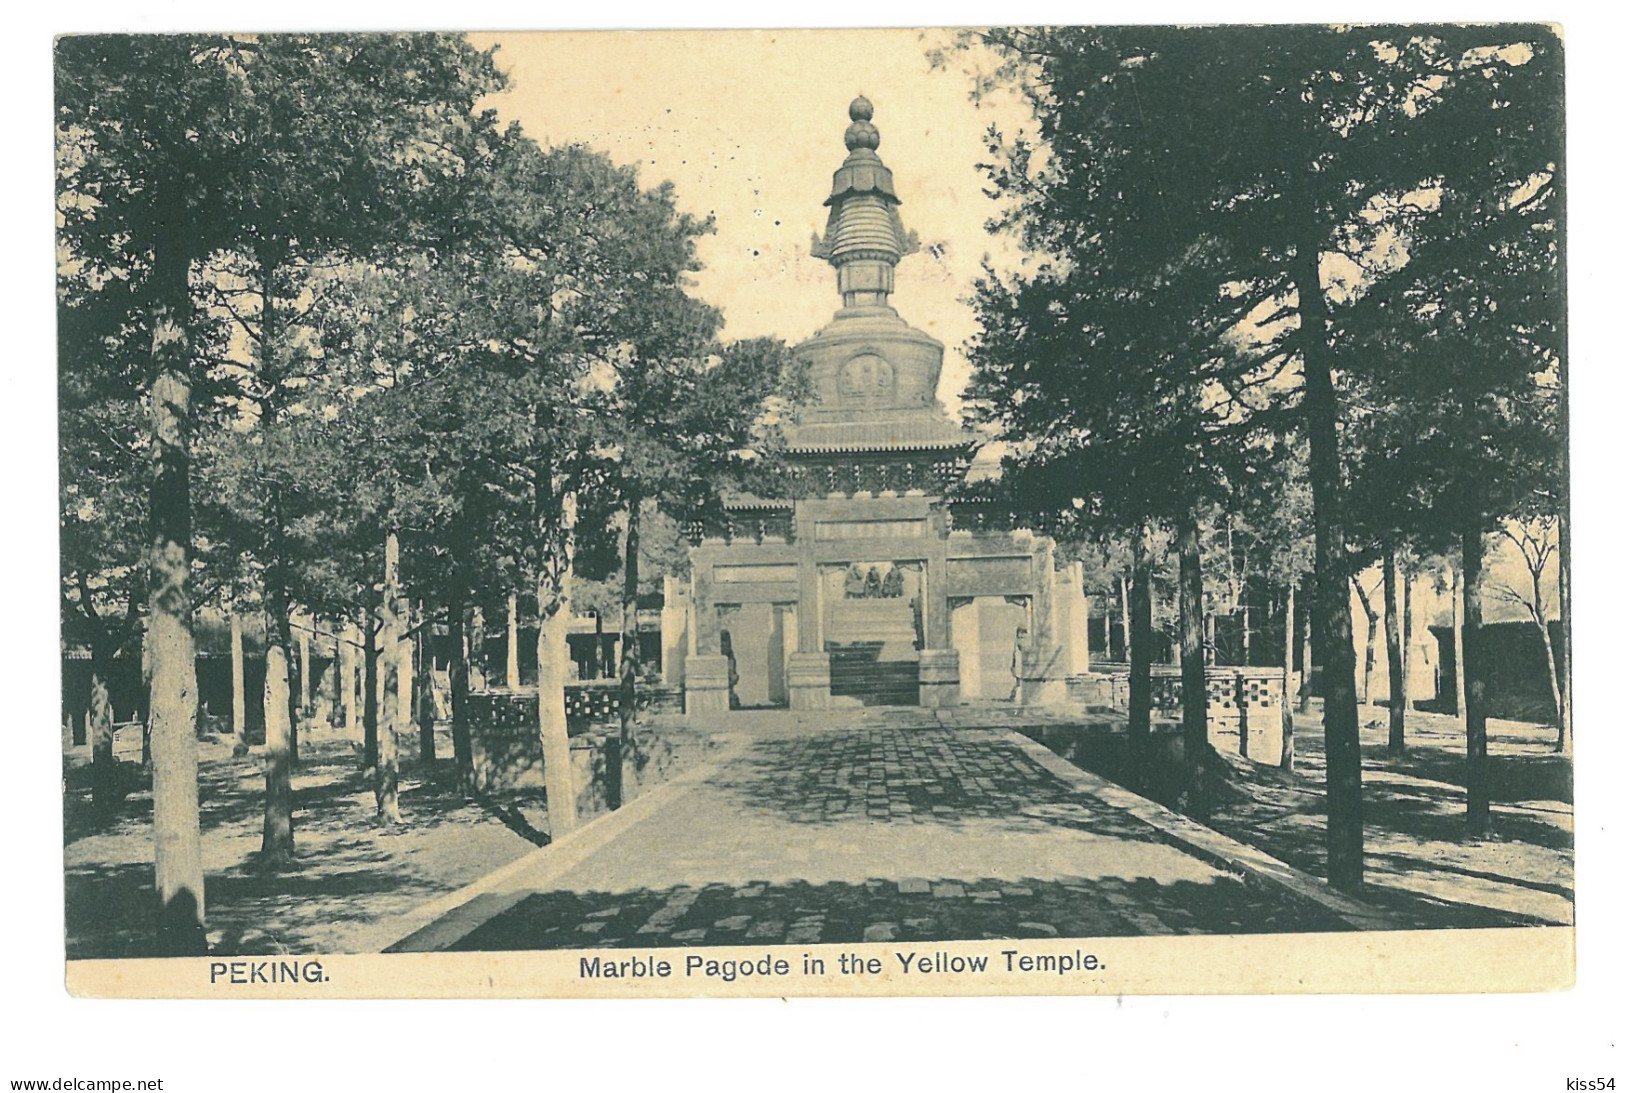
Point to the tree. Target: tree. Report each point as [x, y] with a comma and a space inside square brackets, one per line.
[1311, 154]
[144, 172]
[689, 421]
[1534, 538]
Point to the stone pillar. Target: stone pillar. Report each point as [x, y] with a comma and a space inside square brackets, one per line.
[934, 600]
[1043, 667]
[939, 677]
[1077, 623]
[809, 681]
[705, 681]
[707, 629]
[673, 632]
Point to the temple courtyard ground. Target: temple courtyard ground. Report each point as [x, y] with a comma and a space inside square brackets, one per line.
[906, 825]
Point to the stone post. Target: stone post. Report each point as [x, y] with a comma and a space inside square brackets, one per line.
[705, 670]
[808, 681]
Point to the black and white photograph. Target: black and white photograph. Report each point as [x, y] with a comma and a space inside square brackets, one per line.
[1007, 510]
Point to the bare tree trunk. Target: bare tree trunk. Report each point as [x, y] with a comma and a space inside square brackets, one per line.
[1192, 675]
[1396, 653]
[276, 842]
[1565, 728]
[1545, 629]
[1138, 637]
[1289, 677]
[1472, 580]
[172, 698]
[239, 685]
[1345, 822]
[513, 641]
[1246, 636]
[386, 780]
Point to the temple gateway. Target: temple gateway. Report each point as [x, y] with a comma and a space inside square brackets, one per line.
[852, 584]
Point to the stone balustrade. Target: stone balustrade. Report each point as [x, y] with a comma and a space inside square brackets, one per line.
[1243, 704]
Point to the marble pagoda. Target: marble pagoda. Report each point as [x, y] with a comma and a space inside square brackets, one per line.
[852, 584]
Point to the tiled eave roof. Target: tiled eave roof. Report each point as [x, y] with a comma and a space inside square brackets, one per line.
[918, 435]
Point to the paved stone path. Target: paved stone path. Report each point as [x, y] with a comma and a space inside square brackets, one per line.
[881, 833]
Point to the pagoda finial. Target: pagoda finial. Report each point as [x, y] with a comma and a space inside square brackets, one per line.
[861, 133]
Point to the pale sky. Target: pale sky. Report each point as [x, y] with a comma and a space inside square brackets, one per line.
[748, 126]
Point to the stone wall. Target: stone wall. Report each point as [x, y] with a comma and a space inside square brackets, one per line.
[507, 741]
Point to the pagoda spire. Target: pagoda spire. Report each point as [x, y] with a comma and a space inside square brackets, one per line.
[864, 238]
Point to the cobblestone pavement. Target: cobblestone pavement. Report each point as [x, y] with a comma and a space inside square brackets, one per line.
[882, 833]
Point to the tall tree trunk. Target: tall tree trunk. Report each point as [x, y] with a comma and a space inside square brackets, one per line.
[513, 641]
[1345, 824]
[276, 847]
[476, 646]
[552, 655]
[1545, 628]
[1537, 613]
[276, 842]
[1409, 639]
[423, 669]
[1192, 674]
[1123, 600]
[346, 649]
[239, 677]
[512, 650]
[1370, 659]
[104, 777]
[1306, 673]
[629, 651]
[1396, 652]
[304, 669]
[1138, 636]
[279, 636]
[1289, 677]
[386, 781]
[462, 741]
[172, 697]
[372, 689]
[1472, 603]
[1246, 636]
[1456, 612]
